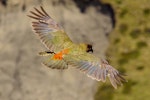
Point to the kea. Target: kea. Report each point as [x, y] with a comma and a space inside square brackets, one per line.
[63, 52]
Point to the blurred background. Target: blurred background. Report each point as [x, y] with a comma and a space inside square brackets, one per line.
[119, 31]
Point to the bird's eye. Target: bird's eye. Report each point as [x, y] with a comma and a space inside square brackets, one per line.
[89, 48]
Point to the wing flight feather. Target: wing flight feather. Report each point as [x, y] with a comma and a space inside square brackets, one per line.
[54, 63]
[49, 31]
[96, 69]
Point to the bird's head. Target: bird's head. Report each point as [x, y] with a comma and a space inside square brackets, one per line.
[87, 47]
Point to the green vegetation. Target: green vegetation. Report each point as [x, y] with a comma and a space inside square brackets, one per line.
[129, 50]
[127, 89]
[141, 44]
[146, 11]
[123, 13]
[106, 89]
[135, 33]
[123, 28]
[140, 68]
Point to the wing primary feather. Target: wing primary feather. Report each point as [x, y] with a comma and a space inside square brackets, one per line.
[37, 24]
[121, 78]
[115, 74]
[44, 11]
[111, 78]
[85, 68]
[98, 75]
[90, 71]
[101, 74]
[40, 28]
[95, 73]
[33, 17]
[39, 11]
[36, 14]
[82, 66]
[43, 31]
[118, 81]
[43, 22]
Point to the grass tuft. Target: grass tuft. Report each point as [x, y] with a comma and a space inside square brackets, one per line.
[135, 33]
[123, 13]
[146, 11]
[139, 68]
[128, 87]
[123, 28]
[141, 44]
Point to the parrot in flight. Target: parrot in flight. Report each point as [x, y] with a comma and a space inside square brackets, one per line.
[62, 52]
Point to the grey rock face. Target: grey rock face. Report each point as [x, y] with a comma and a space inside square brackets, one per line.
[22, 77]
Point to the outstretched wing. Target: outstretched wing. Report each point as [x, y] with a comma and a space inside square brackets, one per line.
[50, 32]
[95, 68]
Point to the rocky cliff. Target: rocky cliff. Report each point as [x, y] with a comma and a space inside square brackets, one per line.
[22, 77]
